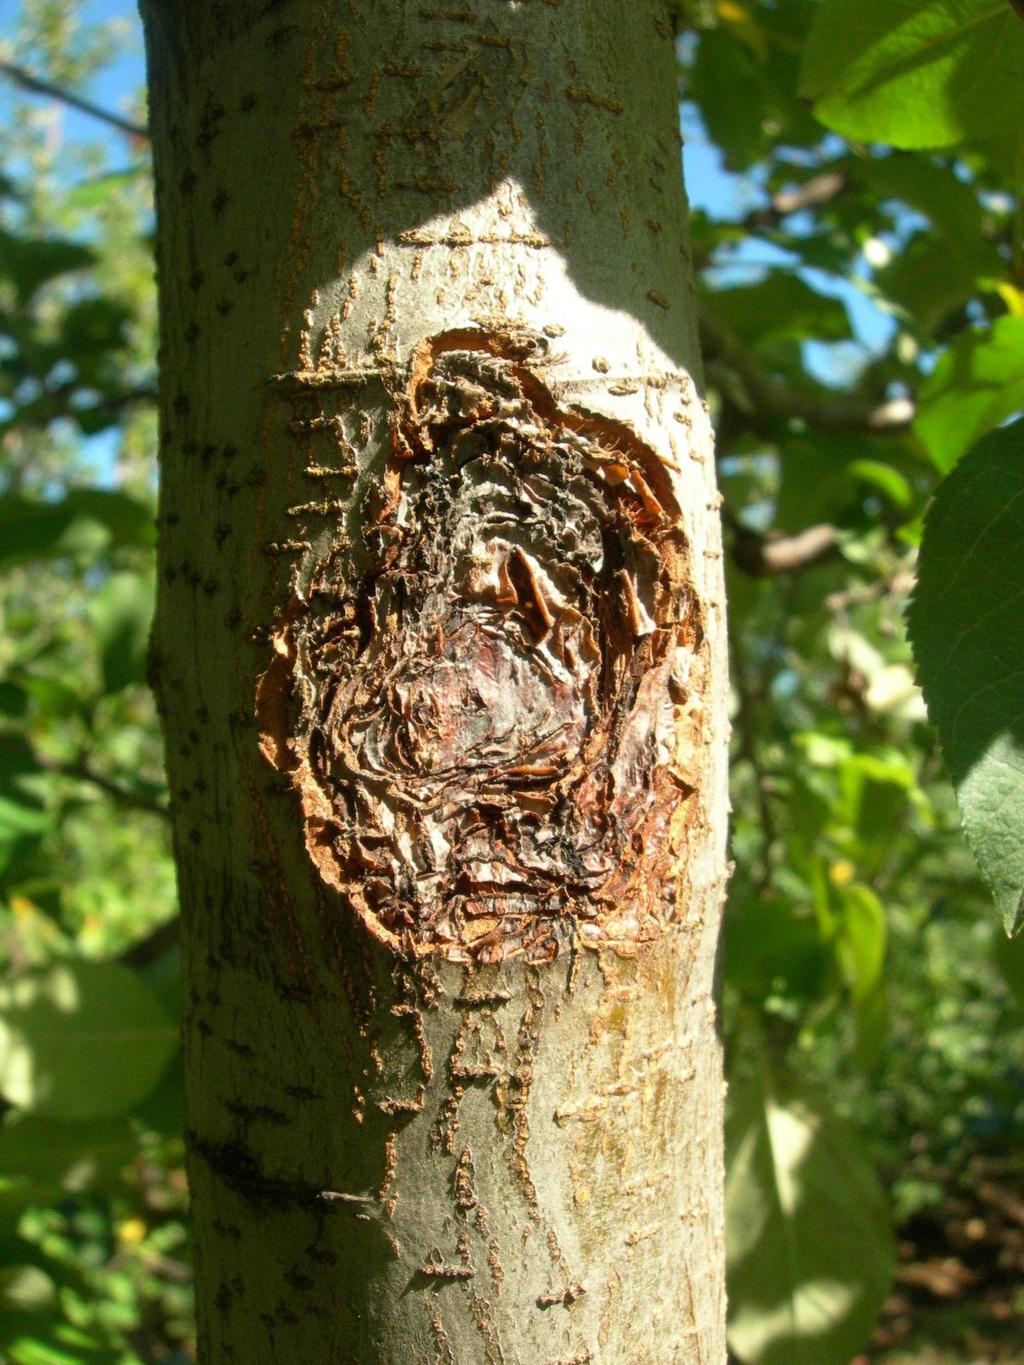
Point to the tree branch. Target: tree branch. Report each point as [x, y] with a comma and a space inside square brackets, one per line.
[820, 189]
[40, 87]
[766, 401]
[761, 556]
[121, 796]
[80, 771]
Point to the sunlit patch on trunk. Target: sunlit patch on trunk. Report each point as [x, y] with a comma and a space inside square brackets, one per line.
[488, 724]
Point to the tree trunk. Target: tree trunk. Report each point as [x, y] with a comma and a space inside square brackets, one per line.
[439, 651]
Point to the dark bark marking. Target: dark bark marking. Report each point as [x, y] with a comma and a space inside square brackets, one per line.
[238, 1169]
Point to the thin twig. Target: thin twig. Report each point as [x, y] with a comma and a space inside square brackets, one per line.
[121, 796]
[765, 556]
[765, 401]
[820, 189]
[40, 87]
[80, 771]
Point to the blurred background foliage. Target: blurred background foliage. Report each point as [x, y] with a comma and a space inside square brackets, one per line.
[857, 227]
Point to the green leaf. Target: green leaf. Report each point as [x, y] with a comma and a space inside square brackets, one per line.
[735, 125]
[46, 1159]
[31, 262]
[875, 789]
[808, 1237]
[871, 1016]
[81, 1040]
[823, 478]
[26, 1289]
[24, 818]
[763, 111]
[860, 944]
[769, 949]
[916, 73]
[82, 522]
[933, 188]
[53, 699]
[927, 280]
[94, 193]
[13, 699]
[21, 827]
[1009, 956]
[129, 521]
[63, 1344]
[163, 1109]
[90, 328]
[889, 481]
[977, 384]
[967, 629]
[780, 305]
[121, 611]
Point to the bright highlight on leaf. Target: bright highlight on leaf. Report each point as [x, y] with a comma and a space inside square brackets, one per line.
[976, 384]
[916, 73]
[50, 1159]
[967, 628]
[81, 1040]
[810, 1254]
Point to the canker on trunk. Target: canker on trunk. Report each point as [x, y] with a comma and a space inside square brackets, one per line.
[483, 690]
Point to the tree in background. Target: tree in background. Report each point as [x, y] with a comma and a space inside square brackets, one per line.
[860, 310]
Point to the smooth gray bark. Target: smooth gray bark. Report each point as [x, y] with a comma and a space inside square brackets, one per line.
[440, 655]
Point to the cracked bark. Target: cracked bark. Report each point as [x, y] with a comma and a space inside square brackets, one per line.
[439, 649]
